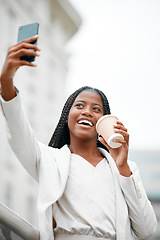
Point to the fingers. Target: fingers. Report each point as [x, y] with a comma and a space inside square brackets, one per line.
[25, 44]
[29, 40]
[13, 61]
[22, 45]
[121, 129]
[22, 52]
[23, 48]
[25, 63]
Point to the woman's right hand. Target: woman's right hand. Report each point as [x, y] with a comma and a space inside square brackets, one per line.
[13, 62]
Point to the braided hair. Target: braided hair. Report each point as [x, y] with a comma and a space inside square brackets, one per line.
[61, 135]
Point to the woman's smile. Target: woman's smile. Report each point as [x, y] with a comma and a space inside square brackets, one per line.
[84, 113]
[85, 122]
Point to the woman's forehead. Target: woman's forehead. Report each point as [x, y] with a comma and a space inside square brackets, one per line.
[89, 96]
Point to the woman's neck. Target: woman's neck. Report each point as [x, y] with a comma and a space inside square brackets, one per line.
[88, 151]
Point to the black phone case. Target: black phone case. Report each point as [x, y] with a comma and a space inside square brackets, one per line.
[28, 31]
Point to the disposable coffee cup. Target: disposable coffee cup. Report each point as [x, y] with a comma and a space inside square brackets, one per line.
[105, 128]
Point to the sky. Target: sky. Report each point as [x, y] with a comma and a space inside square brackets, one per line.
[117, 49]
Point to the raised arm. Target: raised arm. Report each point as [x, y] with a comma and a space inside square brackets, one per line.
[21, 138]
[12, 64]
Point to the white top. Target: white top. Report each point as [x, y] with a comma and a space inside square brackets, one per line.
[87, 206]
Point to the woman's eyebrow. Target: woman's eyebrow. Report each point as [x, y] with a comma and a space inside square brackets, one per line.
[85, 102]
[97, 104]
[79, 101]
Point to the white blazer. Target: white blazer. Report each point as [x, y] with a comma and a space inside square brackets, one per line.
[50, 167]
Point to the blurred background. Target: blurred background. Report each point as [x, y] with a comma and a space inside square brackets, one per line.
[108, 44]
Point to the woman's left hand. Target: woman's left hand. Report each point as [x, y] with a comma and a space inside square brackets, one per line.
[120, 155]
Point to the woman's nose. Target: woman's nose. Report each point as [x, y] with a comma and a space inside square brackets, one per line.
[87, 111]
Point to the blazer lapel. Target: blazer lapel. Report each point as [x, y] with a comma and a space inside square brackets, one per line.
[62, 157]
[121, 206]
[53, 179]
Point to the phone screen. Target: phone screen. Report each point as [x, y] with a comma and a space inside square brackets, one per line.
[25, 32]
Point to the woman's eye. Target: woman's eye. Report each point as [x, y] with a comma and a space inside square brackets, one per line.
[97, 109]
[80, 105]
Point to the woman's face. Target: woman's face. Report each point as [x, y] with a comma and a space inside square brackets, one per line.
[83, 116]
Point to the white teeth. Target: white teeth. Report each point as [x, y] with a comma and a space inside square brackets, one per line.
[85, 122]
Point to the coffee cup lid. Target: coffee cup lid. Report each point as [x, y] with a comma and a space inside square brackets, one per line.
[114, 144]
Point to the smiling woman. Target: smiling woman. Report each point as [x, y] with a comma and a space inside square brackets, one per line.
[83, 116]
[85, 192]
[61, 135]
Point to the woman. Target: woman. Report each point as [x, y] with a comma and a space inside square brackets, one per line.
[90, 190]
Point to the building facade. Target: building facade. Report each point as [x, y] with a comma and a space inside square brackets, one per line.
[42, 89]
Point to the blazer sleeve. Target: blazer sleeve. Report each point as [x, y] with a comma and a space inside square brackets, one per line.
[21, 136]
[141, 213]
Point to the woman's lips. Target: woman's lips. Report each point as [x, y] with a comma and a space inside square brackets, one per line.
[85, 122]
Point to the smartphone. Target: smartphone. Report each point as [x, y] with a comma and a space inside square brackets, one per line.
[28, 31]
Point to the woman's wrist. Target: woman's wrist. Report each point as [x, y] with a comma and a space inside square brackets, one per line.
[8, 91]
[124, 169]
